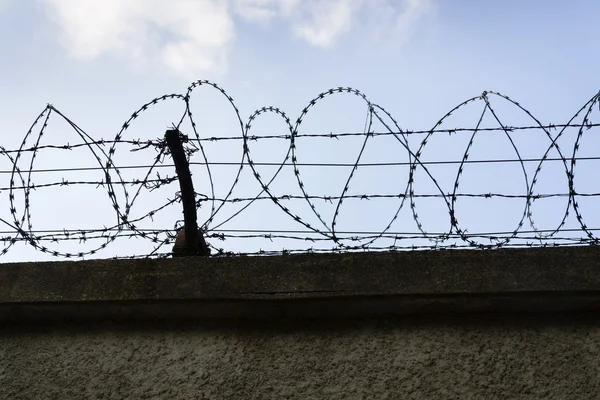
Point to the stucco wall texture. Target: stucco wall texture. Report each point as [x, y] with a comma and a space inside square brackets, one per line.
[502, 356]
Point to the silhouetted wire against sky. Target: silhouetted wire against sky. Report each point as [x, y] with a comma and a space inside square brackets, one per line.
[426, 157]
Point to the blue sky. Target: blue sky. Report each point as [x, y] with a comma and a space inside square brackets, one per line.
[97, 61]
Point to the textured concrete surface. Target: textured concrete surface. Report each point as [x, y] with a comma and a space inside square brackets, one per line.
[308, 275]
[551, 278]
[476, 357]
[507, 324]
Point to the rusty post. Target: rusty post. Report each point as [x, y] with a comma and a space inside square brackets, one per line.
[193, 238]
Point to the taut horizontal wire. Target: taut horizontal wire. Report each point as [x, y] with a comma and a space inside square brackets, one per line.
[216, 198]
[273, 164]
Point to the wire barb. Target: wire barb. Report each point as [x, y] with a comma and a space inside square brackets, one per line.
[327, 233]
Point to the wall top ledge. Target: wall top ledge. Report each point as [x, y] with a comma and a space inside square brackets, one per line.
[530, 279]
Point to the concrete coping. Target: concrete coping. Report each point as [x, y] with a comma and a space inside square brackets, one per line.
[307, 285]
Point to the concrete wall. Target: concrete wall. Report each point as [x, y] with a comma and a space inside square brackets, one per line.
[518, 324]
[502, 357]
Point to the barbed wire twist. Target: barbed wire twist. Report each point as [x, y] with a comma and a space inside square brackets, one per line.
[21, 179]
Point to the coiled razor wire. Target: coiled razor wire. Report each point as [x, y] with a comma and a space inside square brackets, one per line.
[20, 229]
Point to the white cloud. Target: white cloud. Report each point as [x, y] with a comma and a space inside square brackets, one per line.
[409, 17]
[193, 37]
[326, 21]
[189, 36]
[319, 22]
[261, 11]
[264, 11]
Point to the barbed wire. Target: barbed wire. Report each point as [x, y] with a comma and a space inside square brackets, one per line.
[314, 227]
